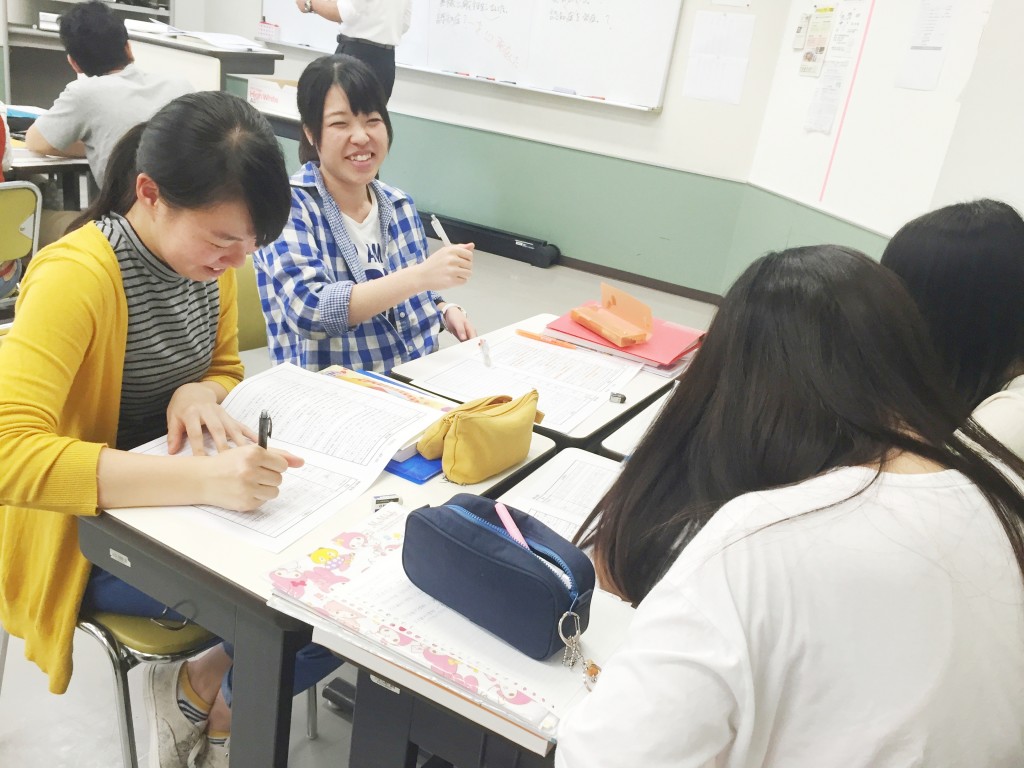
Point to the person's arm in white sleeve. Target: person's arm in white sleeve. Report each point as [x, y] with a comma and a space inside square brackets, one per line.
[666, 699]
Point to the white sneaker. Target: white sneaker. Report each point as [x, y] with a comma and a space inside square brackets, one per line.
[207, 755]
[172, 736]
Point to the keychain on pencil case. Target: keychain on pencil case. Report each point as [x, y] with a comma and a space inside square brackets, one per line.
[573, 652]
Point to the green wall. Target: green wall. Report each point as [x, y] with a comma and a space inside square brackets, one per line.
[694, 231]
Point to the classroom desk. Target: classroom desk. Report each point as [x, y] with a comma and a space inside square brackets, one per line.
[399, 712]
[222, 583]
[623, 441]
[644, 388]
[25, 164]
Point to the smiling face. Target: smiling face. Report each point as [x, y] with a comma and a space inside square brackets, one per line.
[199, 243]
[352, 147]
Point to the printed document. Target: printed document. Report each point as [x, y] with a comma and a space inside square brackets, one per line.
[346, 433]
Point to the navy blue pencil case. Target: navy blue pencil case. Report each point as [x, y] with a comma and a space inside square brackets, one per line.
[460, 554]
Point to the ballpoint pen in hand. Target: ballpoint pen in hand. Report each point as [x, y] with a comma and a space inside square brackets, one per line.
[439, 230]
[266, 427]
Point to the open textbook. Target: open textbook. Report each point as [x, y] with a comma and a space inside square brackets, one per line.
[346, 430]
[355, 589]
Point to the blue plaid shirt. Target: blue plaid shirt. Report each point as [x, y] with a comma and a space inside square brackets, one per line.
[305, 280]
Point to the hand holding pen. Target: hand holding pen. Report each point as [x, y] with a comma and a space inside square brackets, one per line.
[448, 267]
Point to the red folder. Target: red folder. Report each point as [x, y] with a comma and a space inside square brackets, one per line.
[667, 344]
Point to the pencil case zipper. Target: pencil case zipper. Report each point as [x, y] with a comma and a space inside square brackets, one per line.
[541, 552]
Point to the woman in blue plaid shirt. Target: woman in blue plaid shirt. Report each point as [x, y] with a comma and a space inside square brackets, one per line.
[349, 281]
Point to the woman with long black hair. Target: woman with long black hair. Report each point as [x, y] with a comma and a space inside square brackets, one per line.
[827, 571]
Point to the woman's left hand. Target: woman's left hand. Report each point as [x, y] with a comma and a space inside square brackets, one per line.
[194, 407]
[458, 324]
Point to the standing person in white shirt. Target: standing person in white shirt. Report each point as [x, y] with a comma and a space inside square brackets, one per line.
[964, 266]
[827, 574]
[370, 30]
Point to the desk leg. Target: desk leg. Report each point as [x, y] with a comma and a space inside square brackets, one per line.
[263, 676]
[70, 184]
[380, 727]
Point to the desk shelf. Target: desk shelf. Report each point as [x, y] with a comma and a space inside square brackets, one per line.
[126, 7]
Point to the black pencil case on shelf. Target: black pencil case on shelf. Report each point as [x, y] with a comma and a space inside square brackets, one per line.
[460, 554]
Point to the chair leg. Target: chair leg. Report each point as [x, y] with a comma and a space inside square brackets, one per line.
[120, 666]
[4, 637]
[311, 712]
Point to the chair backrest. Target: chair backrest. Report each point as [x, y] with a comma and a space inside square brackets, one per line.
[252, 326]
[20, 204]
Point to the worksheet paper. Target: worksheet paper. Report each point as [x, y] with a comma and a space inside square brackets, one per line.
[346, 433]
[356, 581]
[565, 490]
[572, 383]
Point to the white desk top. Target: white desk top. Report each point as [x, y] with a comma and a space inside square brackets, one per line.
[23, 159]
[641, 386]
[624, 440]
[247, 565]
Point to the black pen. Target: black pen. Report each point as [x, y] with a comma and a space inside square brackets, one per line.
[266, 428]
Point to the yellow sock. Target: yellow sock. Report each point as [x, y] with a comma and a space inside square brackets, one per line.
[217, 738]
[190, 703]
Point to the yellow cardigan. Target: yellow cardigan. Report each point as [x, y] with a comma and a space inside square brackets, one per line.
[60, 388]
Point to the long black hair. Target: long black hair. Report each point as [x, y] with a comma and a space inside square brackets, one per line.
[964, 266]
[363, 90]
[816, 359]
[201, 149]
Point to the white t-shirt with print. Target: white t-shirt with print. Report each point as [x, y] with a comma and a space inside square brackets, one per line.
[365, 236]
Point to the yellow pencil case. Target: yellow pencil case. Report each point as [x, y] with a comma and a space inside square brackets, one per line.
[483, 437]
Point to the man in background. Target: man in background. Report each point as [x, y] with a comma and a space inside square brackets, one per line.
[110, 95]
[370, 30]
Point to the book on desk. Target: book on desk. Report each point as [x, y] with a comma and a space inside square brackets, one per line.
[354, 589]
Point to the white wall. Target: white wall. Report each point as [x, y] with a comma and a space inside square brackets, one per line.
[889, 153]
[986, 151]
[702, 137]
[899, 152]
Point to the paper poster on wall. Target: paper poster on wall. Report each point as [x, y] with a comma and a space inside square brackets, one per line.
[818, 32]
[719, 53]
[821, 114]
[922, 64]
[842, 49]
[800, 35]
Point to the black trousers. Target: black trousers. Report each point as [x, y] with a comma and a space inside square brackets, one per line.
[380, 60]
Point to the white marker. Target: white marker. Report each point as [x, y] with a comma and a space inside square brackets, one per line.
[439, 230]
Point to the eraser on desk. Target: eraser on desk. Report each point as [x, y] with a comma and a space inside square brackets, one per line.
[617, 397]
[381, 501]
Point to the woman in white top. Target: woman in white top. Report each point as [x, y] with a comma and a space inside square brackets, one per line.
[826, 575]
[964, 266]
[369, 30]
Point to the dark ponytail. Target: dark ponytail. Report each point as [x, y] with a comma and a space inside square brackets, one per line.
[118, 192]
[202, 149]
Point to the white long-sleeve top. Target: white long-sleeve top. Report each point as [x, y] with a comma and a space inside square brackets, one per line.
[884, 631]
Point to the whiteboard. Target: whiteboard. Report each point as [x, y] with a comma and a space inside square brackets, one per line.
[602, 50]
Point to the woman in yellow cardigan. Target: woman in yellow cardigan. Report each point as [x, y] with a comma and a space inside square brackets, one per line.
[126, 329]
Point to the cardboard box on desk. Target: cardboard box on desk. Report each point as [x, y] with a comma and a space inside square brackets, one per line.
[273, 94]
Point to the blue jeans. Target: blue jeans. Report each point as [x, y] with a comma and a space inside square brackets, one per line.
[105, 592]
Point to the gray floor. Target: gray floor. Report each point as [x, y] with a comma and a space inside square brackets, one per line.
[39, 730]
